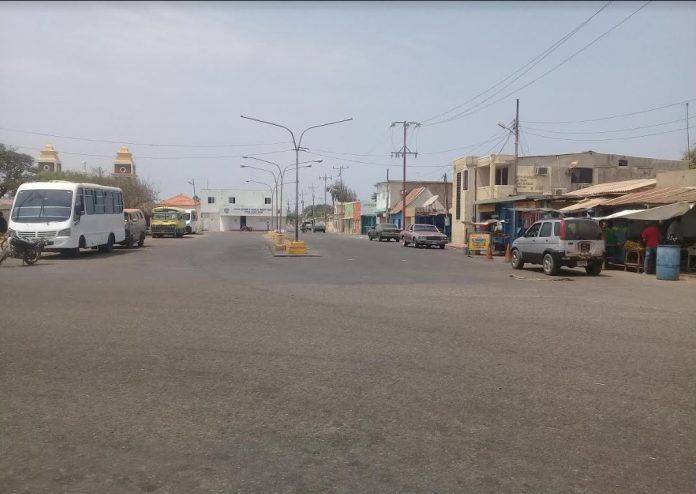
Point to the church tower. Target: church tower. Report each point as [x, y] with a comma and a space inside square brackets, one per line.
[48, 160]
[124, 166]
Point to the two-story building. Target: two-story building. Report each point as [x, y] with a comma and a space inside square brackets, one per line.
[234, 209]
[486, 187]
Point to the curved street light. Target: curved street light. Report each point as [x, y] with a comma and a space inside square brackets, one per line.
[269, 188]
[297, 146]
[282, 179]
[275, 180]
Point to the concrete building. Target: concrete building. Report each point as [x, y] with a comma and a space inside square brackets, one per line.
[388, 195]
[234, 209]
[486, 187]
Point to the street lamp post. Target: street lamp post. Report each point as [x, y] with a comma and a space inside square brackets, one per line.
[282, 177]
[297, 146]
[269, 188]
[275, 180]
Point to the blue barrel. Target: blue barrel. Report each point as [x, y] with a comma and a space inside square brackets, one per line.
[668, 260]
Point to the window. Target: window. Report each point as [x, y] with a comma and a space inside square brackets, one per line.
[89, 201]
[533, 230]
[194, 215]
[98, 201]
[465, 182]
[557, 229]
[266, 200]
[501, 176]
[79, 201]
[109, 202]
[581, 176]
[545, 229]
[118, 202]
[458, 208]
[232, 200]
[211, 200]
[623, 162]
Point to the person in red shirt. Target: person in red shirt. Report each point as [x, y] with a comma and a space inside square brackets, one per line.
[651, 238]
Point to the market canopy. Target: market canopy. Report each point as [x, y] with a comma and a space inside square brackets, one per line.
[653, 214]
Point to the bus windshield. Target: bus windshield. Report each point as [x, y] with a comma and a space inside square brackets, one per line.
[42, 206]
[162, 215]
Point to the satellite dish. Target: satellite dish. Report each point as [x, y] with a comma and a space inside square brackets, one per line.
[430, 201]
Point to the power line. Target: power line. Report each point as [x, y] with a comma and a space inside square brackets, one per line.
[111, 156]
[608, 138]
[679, 103]
[130, 143]
[477, 107]
[610, 131]
[528, 66]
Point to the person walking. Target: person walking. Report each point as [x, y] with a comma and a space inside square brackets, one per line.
[651, 238]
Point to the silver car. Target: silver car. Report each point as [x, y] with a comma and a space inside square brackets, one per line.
[571, 242]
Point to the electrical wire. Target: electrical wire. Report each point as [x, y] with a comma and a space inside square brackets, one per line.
[476, 108]
[149, 144]
[528, 66]
[610, 117]
[608, 138]
[611, 131]
[162, 157]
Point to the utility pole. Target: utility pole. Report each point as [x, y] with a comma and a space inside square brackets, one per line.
[688, 140]
[388, 197]
[302, 201]
[312, 187]
[517, 143]
[404, 152]
[325, 178]
[340, 173]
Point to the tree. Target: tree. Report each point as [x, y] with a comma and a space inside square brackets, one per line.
[691, 156]
[318, 211]
[137, 194]
[15, 169]
[340, 193]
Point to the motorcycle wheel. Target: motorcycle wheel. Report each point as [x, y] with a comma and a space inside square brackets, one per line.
[31, 256]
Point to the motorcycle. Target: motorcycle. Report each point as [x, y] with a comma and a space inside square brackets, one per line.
[27, 250]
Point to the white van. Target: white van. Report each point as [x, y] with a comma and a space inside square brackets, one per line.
[193, 224]
[68, 216]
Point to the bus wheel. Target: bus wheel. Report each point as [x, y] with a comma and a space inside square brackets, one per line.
[130, 241]
[108, 246]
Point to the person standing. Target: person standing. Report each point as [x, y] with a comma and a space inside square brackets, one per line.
[651, 238]
[3, 224]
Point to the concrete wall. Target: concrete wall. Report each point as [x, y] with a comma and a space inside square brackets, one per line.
[223, 215]
[680, 178]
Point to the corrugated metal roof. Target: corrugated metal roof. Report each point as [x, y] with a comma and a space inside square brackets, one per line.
[614, 188]
[410, 197]
[585, 204]
[663, 195]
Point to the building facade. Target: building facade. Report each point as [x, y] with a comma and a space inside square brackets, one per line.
[124, 166]
[491, 186]
[48, 160]
[235, 209]
[388, 195]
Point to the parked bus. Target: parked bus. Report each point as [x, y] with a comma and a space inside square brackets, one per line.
[167, 220]
[68, 216]
[192, 223]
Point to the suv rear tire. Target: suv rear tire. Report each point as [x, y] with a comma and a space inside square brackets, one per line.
[517, 262]
[550, 265]
[594, 269]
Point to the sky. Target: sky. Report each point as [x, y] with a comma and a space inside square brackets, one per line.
[173, 79]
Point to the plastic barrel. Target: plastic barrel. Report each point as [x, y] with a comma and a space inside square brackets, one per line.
[668, 262]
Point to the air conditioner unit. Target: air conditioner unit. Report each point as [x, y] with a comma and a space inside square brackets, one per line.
[541, 170]
[559, 191]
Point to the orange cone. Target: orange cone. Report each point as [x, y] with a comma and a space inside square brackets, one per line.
[508, 256]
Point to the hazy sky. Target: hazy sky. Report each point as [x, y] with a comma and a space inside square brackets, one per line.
[180, 73]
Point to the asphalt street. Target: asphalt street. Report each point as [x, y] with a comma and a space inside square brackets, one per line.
[205, 364]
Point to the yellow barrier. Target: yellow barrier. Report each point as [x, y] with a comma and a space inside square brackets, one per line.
[298, 247]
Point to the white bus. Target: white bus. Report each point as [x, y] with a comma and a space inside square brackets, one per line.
[192, 222]
[68, 216]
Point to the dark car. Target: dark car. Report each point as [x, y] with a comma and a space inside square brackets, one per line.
[424, 235]
[319, 226]
[384, 231]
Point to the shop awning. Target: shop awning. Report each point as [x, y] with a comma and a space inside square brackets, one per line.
[653, 214]
[583, 205]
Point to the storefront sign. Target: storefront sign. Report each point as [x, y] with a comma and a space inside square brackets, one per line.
[479, 241]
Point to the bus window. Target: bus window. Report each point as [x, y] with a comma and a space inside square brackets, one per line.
[89, 201]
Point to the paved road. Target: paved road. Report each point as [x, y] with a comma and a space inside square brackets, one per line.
[204, 364]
